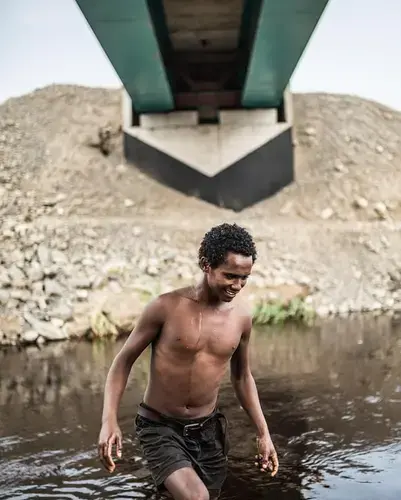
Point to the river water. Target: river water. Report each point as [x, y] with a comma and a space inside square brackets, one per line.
[331, 395]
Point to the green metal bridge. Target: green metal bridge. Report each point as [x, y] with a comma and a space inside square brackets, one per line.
[206, 104]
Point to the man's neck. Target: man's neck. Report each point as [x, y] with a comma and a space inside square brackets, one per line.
[204, 295]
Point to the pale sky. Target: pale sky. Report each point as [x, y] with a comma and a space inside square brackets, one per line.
[355, 49]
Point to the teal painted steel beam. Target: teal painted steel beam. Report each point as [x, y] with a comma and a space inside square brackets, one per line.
[133, 35]
[276, 34]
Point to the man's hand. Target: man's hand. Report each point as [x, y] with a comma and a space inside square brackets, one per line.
[267, 456]
[110, 435]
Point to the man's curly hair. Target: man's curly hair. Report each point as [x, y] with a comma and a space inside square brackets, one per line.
[221, 240]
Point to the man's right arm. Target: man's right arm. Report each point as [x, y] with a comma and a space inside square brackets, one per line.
[146, 330]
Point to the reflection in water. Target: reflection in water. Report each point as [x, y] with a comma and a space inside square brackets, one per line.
[332, 396]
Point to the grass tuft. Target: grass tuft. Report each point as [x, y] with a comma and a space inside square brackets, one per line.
[275, 313]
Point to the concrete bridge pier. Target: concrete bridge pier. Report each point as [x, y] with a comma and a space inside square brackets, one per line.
[242, 158]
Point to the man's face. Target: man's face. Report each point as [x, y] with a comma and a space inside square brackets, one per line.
[229, 278]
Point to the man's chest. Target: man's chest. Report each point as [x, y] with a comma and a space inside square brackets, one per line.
[214, 334]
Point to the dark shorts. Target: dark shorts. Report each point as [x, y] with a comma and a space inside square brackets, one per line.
[167, 447]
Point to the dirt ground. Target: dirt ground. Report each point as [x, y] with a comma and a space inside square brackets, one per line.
[346, 148]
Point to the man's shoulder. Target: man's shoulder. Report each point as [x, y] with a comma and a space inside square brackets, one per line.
[173, 297]
[161, 306]
[244, 312]
[243, 307]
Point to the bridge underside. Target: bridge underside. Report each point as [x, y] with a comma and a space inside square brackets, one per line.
[207, 108]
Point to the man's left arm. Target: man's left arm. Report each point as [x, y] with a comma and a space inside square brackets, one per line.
[247, 394]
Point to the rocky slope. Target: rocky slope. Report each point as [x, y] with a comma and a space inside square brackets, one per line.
[85, 238]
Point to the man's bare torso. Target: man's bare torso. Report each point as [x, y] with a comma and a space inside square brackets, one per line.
[191, 354]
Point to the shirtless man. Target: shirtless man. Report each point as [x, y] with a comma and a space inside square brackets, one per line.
[194, 333]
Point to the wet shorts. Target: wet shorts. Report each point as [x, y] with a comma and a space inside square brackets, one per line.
[170, 444]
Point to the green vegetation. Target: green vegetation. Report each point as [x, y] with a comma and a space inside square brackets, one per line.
[274, 313]
[101, 326]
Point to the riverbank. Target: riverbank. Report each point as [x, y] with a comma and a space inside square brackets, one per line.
[86, 240]
[79, 277]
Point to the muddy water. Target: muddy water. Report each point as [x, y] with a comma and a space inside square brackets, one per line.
[332, 397]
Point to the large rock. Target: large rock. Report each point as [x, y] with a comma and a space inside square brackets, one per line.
[44, 255]
[5, 279]
[4, 296]
[29, 337]
[78, 328]
[122, 309]
[45, 329]
[11, 328]
[62, 310]
[53, 288]
[35, 272]
[17, 276]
